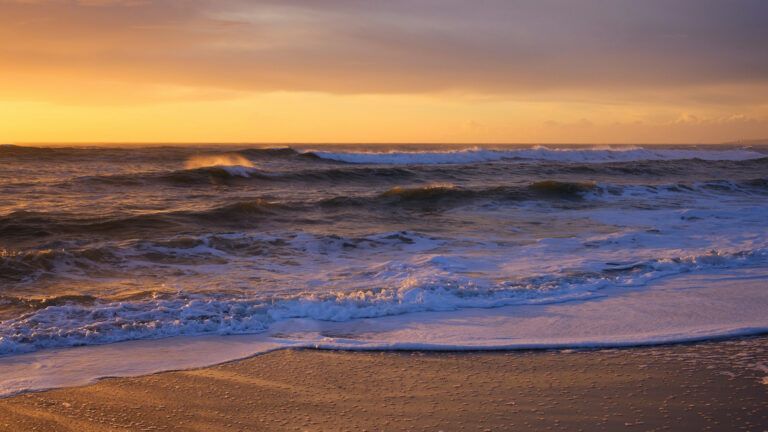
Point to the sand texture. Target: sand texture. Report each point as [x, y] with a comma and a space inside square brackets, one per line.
[709, 386]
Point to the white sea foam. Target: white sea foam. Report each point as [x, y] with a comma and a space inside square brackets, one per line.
[687, 307]
[429, 284]
[580, 155]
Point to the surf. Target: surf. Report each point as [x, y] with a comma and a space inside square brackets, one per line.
[538, 153]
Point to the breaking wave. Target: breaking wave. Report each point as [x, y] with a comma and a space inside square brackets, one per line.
[84, 320]
[540, 153]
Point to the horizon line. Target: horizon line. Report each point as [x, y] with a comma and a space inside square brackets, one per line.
[426, 143]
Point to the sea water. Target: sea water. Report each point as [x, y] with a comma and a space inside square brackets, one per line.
[165, 252]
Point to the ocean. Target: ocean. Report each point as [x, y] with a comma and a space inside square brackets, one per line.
[369, 247]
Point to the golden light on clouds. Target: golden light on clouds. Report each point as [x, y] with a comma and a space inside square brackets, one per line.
[400, 71]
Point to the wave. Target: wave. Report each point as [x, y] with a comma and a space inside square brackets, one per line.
[252, 212]
[538, 153]
[706, 189]
[24, 265]
[42, 303]
[602, 154]
[237, 168]
[212, 174]
[444, 191]
[245, 213]
[83, 321]
[69, 259]
[27, 224]
[232, 164]
[553, 191]
[217, 174]
[232, 175]
[271, 152]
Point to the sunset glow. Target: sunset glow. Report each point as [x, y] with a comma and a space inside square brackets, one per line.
[400, 71]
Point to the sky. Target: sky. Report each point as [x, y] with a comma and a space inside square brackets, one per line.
[474, 71]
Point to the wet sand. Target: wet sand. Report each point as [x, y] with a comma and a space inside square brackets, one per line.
[708, 386]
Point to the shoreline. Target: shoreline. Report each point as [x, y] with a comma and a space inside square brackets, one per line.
[719, 310]
[403, 349]
[620, 318]
[715, 385]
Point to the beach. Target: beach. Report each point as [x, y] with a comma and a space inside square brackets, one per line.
[398, 287]
[721, 385]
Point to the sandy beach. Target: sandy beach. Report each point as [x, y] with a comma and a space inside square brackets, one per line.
[706, 386]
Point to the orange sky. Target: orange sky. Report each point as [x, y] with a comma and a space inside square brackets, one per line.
[369, 71]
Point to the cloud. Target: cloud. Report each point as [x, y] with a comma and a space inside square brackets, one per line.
[619, 48]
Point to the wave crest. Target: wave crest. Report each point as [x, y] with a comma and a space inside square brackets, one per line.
[540, 153]
[231, 163]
